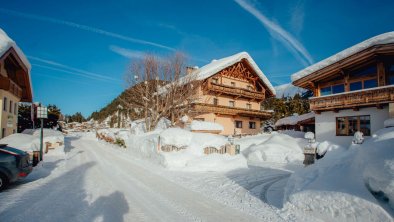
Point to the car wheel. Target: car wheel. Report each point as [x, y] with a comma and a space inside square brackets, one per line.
[3, 181]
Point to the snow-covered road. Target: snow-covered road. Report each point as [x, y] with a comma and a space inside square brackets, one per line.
[94, 183]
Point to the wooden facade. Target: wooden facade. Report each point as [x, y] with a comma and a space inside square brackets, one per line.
[353, 90]
[361, 80]
[232, 98]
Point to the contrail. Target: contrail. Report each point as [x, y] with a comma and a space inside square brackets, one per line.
[82, 27]
[71, 70]
[128, 53]
[279, 33]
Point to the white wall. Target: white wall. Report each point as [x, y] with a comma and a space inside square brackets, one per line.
[326, 123]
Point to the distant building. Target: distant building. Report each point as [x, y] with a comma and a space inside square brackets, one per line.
[353, 89]
[231, 92]
[15, 83]
[304, 123]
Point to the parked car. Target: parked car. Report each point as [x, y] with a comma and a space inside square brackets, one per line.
[14, 164]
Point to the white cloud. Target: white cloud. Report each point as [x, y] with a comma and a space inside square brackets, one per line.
[83, 27]
[277, 32]
[128, 53]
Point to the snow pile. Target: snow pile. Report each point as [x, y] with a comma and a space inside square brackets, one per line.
[293, 133]
[22, 141]
[294, 119]
[191, 155]
[29, 140]
[355, 184]
[203, 125]
[277, 148]
[192, 158]
[385, 38]
[50, 135]
[309, 136]
[138, 126]
[358, 137]
[288, 90]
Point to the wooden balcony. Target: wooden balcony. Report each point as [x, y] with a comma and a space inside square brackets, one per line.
[362, 98]
[234, 111]
[10, 86]
[234, 91]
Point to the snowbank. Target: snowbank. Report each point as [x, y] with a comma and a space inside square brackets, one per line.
[203, 125]
[22, 141]
[354, 184]
[50, 135]
[29, 140]
[276, 148]
[191, 155]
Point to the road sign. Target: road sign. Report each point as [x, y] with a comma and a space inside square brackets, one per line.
[42, 112]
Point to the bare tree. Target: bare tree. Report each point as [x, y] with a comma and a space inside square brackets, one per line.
[160, 88]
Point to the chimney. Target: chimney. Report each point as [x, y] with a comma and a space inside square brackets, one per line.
[190, 69]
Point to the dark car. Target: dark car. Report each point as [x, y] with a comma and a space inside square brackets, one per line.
[14, 164]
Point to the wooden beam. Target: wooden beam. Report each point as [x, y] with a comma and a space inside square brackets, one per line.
[381, 74]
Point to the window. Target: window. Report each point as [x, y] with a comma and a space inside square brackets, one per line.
[5, 104]
[215, 101]
[370, 83]
[356, 86]
[390, 74]
[231, 103]
[15, 108]
[252, 125]
[215, 80]
[248, 106]
[338, 88]
[238, 124]
[10, 106]
[332, 90]
[233, 84]
[347, 126]
[325, 91]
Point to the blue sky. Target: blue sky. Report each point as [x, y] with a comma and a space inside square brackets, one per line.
[80, 50]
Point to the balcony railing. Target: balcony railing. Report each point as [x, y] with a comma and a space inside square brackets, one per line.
[355, 99]
[11, 86]
[225, 110]
[235, 91]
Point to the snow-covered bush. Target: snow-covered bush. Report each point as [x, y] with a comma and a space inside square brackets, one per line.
[358, 137]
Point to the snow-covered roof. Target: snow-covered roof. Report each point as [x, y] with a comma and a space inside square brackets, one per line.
[293, 120]
[384, 38]
[288, 90]
[217, 65]
[6, 43]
